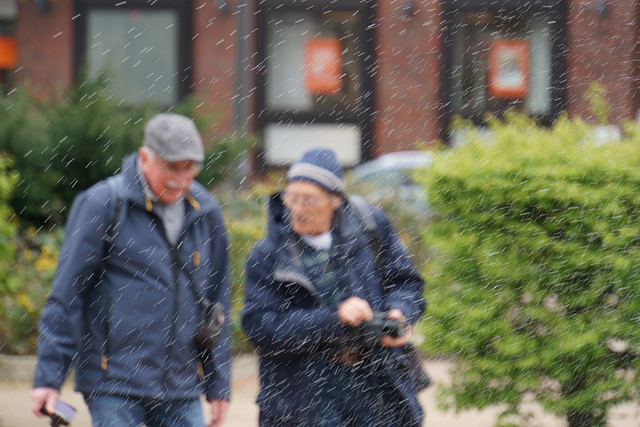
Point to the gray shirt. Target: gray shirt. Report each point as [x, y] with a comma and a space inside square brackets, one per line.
[171, 214]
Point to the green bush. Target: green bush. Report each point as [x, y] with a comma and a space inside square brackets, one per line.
[535, 288]
[63, 146]
[60, 147]
[8, 178]
[37, 253]
[244, 212]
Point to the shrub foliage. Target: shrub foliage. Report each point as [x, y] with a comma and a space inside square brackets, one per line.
[65, 145]
[60, 147]
[536, 284]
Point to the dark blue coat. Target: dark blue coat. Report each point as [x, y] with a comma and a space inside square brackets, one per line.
[126, 317]
[291, 328]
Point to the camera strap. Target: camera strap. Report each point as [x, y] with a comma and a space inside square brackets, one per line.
[370, 229]
[201, 300]
[117, 213]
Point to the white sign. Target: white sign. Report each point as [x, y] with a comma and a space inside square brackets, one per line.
[285, 144]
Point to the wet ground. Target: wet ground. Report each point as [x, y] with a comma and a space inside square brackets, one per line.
[15, 402]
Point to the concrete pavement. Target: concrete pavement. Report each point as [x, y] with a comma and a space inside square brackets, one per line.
[15, 376]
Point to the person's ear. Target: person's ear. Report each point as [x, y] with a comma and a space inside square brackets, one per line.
[336, 201]
[145, 158]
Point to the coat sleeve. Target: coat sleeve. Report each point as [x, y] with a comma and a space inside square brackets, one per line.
[217, 364]
[403, 286]
[276, 328]
[61, 320]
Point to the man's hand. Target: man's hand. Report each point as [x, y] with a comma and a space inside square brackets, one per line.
[354, 311]
[387, 341]
[41, 396]
[219, 408]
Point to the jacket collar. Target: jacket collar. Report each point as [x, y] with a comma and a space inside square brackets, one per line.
[288, 268]
[199, 200]
[346, 223]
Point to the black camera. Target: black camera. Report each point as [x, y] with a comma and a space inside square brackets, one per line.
[63, 414]
[210, 326]
[369, 333]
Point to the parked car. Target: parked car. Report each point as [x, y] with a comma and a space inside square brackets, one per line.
[388, 181]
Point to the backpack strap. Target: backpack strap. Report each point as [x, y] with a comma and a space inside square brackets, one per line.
[115, 216]
[369, 227]
[116, 211]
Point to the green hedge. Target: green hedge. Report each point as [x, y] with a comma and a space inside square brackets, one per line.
[60, 147]
[32, 272]
[65, 145]
[535, 289]
[245, 216]
[37, 254]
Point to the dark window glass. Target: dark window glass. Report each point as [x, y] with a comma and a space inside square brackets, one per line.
[474, 35]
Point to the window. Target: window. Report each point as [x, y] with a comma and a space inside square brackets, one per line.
[8, 50]
[298, 45]
[315, 78]
[503, 57]
[140, 51]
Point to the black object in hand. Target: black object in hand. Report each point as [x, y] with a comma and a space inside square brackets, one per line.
[63, 414]
[369, 333]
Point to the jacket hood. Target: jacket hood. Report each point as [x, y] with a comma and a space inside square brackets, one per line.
[278, 225]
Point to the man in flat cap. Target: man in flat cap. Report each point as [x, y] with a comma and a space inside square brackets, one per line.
[144, 252]
[329, 310]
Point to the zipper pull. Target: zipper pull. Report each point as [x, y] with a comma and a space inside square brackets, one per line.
[196, 258]
[103, 363]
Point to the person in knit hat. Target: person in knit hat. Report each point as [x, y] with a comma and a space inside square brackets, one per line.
[316, 294]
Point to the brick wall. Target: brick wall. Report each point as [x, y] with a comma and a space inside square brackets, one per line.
[602, 48]
[46, 43]
[214, 62]
[408, 62]
[45, 46]
[408, 77]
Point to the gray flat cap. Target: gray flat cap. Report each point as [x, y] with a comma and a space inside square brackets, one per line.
[174, 138]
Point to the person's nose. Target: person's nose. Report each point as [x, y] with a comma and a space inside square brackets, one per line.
[296, 207]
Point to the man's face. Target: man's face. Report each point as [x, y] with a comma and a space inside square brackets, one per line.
[169, 181]
[311, 207]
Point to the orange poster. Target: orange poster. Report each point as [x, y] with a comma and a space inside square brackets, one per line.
[8, 55]
[324, 65]
[509, 68]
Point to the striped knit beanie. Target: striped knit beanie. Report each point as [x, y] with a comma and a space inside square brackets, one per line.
[319, 166]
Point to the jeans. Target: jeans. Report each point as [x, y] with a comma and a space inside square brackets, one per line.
[123, 411]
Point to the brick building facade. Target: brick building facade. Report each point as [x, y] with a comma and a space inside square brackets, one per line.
[413, 69]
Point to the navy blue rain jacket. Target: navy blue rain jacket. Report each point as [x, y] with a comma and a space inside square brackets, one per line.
[126, 317]
[292, 330]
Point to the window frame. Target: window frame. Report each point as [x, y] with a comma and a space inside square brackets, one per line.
[365, 117]
[556, 8]
[183, 8]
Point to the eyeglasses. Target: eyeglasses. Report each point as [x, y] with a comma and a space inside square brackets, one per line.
[290, 200]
